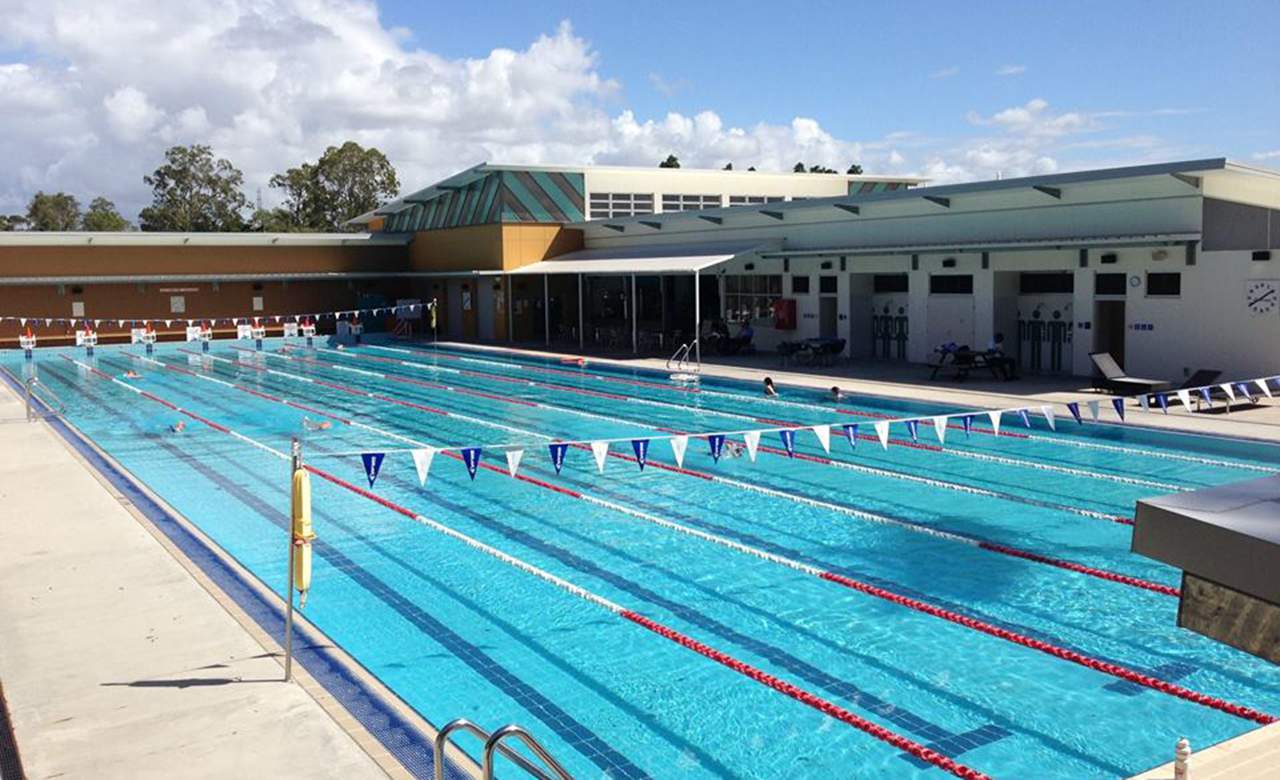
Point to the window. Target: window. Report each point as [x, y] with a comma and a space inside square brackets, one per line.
[749, 200]
[1168, 285]
[1039, 283]
[889, 283]
[608, 205]
[1108, 284]
[690, 202]
[951, 284]
[751, 296]
[799, 285]
[828, 284]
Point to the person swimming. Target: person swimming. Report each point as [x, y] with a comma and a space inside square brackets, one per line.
[733, 449]
[769, 389]
[131, 374]
[836, 395]
[178, 427]
[312, 425]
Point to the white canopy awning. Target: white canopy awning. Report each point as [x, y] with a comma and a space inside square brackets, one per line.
[645, 259]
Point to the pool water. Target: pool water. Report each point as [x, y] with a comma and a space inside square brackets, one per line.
[457, 633]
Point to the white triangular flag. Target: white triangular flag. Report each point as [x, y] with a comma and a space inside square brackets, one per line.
[22, 321]
[752, 440]
[601, 450]
[422, 462]
[940, 428]
[882, 430]
[1185, 397]
[678, 445]
[1262, 385]
[995, 422]
[1047, 411]
[823, 433]
[1093, 409]
[1226, 388]
[1144, 402]
[513, 460]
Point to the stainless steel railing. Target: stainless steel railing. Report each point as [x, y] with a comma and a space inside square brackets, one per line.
[493, 744]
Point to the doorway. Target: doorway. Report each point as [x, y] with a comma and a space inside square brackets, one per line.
[1108, 329]
[828, 316]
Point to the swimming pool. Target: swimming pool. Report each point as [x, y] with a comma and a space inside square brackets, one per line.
[930, 590]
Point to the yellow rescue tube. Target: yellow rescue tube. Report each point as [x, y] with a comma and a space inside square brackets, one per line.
[302, 533]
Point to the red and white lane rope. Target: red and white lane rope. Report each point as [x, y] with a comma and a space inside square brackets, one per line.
[915, 527]
[918, 605]
[1065, 441]
[971, 454]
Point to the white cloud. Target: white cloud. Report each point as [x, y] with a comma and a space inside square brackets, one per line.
[667, 87]
[1271, 155]
[1011, 70]
[100, 95]
[945, 73]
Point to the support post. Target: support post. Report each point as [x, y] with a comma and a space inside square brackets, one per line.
[546, 308]
[582, 335]
[509, 288]
[1181, 760]
[296, 464]
[635, 319]
[697, 316]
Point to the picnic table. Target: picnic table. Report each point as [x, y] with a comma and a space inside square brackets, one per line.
[962, 361]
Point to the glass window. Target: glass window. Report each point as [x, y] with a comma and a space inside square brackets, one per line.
[951, 284]
[690, 202]
[1053, 282]
[799, 285]
[1164, 284]
[890, 283]
[1108, 284]
[608, 205]
[828, 284]
[751, 296]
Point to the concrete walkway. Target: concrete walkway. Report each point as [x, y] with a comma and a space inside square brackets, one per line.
[115, 662]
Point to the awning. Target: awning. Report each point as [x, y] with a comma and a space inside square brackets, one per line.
[644, 259]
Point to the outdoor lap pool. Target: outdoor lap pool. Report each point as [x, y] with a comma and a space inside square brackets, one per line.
[930, 589]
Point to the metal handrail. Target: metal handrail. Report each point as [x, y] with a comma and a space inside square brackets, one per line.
[512, 730]
[29, 386]
[679, 355]
[442, 739]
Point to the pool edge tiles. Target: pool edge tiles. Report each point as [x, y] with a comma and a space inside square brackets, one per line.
[382, 715]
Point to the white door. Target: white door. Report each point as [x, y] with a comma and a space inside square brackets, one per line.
[950, 319]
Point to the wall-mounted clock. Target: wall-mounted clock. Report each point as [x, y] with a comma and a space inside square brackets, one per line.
[1262, 296]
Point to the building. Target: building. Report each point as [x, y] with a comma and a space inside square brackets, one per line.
[1169, 267]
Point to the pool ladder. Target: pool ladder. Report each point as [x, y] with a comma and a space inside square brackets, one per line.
[493, 744]
[29, 392]
[681, 360]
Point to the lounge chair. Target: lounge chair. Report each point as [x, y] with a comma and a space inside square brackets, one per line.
[1115, 380]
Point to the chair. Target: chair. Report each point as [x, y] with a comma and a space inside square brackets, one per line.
[1115, 380]
[828, 352]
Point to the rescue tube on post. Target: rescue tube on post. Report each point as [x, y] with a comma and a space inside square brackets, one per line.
[302, 533]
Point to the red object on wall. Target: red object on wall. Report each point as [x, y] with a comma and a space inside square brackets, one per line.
[784, 314]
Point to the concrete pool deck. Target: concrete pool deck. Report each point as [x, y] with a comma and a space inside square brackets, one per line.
[116, 660]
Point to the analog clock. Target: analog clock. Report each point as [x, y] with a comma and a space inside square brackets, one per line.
[1261, 296]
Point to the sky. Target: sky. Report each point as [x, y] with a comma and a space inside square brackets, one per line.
[92, 93]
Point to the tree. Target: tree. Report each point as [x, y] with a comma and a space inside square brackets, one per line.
[798, 168]
[821, 169]
[103, 216]
[194, 192]
[728, 166]
[671, 162]
[854, 170]
[347, 181]
[12, 222]
[273, 221]
[56, 211]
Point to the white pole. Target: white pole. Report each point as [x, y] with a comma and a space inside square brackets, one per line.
[635, 319]
[296, 462]
[697, 316]
[582, 336]
[546, 308]
[509, 288]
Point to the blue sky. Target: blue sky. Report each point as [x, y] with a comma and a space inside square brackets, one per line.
[90, 97]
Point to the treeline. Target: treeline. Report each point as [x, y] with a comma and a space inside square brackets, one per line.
[195, 192]
[854, 170]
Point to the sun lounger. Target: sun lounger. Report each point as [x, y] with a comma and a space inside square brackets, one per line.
[1113, 379]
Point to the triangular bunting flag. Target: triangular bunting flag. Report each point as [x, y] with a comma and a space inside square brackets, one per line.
[1049, 418]
[1026, 418]
[1118, 405]
[1074, 408]
[1093, 409]
[940, 428]
[1144, 402]
[601, 450]
[1229, 390]
[851, 430]
[788, 437]
[471, 457]
[715, 442]
[1243, 390]
[882, 431]
[678, 445]
[995, 421]
[752, 440]
[557, 450]
[1261, 383]
[1185, 397]
[422, 462]
[823, 432]
[967, 422]
[513, 460]
[641, 448]
[1163, 400]
[913, 429]
[372, 465]
[1204, 393]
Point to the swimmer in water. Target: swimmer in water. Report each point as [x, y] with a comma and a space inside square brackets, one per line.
[131, 374]
[836, 395]
[312, 425]
[178, 427]
[769, 389]
[733, 449]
